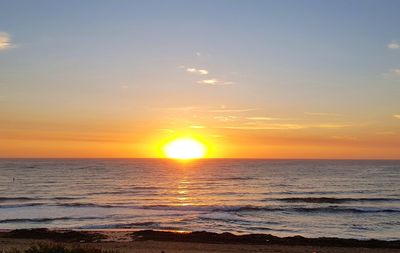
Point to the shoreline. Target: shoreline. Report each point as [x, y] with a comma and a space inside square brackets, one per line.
[197, 237]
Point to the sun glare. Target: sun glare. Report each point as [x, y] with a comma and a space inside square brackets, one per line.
[185, 148]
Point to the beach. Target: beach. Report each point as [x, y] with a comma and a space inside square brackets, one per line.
[155, 241]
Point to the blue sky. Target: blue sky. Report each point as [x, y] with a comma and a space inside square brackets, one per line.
[96, 60]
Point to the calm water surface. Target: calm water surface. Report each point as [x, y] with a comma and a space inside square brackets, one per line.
[313, 198]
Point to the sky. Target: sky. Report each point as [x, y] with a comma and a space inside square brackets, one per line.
[251, 79]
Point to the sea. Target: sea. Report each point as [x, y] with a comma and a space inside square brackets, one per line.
[312, 198]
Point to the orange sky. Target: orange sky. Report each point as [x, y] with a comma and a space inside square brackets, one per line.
[241, 134]
[267, 79]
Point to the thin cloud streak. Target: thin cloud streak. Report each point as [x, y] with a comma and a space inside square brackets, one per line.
[394, 45]
[232, 110]
[262, 118]
[5, 41]
[197, 71]
[214, 81]
[396, 71]
[206, 109]
[322, 114]
[285, 126]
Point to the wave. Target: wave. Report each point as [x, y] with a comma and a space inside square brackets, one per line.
[131, 190]
[46, 220]
[64, 198]
[146, 224]
[250, 208]
[4, 199]
[332, 200]
[87, 205]
[349, 210]
[22, 205]
[13, 199]
[330, 209]
[64, 205]
[246, 208]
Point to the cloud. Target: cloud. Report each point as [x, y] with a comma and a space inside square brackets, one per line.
[330, 126]
[268, 127]
[214, 81]
[293, 126]
[396, 71]
[216, 110]
[231, 110]
[197, 71]
[394, 45]
[225, 118]
[397, 116]
[209, 81]
[391, 74]
[322, 114]
[262, 118]
[5, 41]
[203, 72]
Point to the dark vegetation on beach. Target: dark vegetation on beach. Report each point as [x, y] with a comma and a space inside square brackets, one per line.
[260, 239]
[50, 248]
[57, 236]
[194, 237]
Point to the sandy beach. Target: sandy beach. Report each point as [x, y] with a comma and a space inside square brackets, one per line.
[178, 247]
[122, 241]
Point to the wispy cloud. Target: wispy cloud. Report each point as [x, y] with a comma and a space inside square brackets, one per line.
[197, 126]
[394, 45]
[262, 118]
[322, 114]
[293, 126]
[397, 116]
[214, 81]
[204, 72]
[197, 71]
[183, 108]
[267, 127]
[391, 74]
[225, 118]
[209, 81]
[330, 126]
[396, 71]
[222, 109]
[234, 110]
[5, 41]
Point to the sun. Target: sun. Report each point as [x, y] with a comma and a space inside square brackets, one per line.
[185, 148]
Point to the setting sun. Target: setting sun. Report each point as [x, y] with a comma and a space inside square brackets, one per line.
[185, 148]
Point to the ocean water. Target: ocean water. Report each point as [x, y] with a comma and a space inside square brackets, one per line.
[313, 198]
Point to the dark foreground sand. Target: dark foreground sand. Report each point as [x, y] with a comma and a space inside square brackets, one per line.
[151, 241]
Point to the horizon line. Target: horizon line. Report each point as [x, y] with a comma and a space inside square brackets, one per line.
[206, 158]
